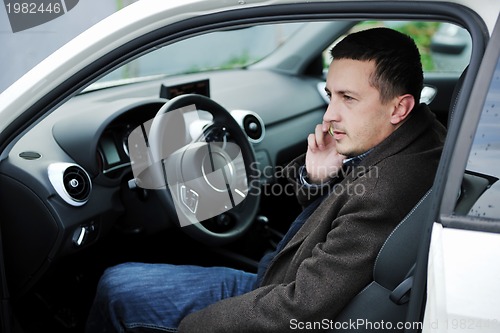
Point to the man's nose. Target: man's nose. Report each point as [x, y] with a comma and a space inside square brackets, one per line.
[331, 113]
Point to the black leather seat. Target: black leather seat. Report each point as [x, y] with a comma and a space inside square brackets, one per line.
[386, 297]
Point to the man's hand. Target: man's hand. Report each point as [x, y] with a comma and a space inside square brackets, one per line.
[322, 159]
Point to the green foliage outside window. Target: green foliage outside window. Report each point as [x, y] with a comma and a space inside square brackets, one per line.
[421, 32]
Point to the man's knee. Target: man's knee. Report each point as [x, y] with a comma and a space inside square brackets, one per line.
[115, 282]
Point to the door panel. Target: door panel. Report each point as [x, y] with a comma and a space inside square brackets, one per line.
[462, 280]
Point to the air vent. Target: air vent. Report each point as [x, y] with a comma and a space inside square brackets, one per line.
[30, 155]
[251, 123]
[76, 183]
[71, 182]
[252, 127]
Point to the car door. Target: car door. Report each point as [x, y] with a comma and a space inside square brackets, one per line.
[463, 269]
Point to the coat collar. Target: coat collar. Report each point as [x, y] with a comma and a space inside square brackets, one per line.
[418, 122]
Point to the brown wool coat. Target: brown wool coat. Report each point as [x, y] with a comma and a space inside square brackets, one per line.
[331, 258]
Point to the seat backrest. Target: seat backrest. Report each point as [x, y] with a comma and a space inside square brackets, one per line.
[385, 298]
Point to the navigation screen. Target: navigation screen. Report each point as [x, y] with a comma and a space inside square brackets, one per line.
[201, 87]
[109, 149]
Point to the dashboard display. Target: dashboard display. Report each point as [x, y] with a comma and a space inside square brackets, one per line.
[201, 87]
[109, 150]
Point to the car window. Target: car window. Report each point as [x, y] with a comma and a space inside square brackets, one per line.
[450, 48]
[444, 47]
[483, 166]
[218, 50]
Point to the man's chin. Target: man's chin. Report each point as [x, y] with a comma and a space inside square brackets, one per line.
[348, 152]
[343, 150]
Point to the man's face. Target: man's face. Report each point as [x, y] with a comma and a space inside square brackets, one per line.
[359, 120]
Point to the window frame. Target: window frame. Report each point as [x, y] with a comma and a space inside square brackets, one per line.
[465, 131]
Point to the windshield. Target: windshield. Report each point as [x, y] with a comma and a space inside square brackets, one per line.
[213, 51]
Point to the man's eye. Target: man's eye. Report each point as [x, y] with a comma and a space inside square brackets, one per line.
[348, 98]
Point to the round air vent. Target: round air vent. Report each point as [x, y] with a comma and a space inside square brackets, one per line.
[251, 123]
[252, 127]
[76, 183]
[71, 182]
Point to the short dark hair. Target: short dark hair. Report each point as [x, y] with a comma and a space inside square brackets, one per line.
[398, 69]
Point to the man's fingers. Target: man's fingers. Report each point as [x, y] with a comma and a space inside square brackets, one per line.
[325, 126]
[320, 136]
[311, 142]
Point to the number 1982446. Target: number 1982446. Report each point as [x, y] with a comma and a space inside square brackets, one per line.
[33, 8]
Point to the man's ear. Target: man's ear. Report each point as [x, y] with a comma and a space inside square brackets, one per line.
[402, 108]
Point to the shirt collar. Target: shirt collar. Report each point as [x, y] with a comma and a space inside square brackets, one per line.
[356, 159]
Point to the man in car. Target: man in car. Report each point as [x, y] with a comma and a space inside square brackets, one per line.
[369, 162]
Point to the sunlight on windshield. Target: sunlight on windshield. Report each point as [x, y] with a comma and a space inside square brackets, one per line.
[213, 51]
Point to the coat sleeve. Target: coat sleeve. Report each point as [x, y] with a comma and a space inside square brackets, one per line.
[305, 194]
[333, 273]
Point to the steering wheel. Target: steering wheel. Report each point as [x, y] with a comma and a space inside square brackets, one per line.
[209, 181]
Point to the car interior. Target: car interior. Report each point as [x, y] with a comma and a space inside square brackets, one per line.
[76, 196]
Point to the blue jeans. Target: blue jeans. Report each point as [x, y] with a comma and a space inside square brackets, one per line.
[136, 297]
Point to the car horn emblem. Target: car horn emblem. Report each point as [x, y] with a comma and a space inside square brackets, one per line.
[28, 14]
